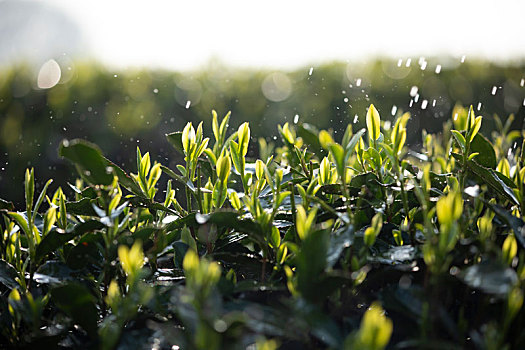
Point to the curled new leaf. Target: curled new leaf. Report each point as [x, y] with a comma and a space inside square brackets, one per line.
[243, 135]
[132, 259]
[375, 330]
[188, 138]
[449, 208]
[223, 167]
[373, 122]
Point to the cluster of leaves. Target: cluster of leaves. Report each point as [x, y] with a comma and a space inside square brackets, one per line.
[116, 108]
[359, 244]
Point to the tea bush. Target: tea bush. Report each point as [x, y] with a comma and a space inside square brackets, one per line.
[354, 244]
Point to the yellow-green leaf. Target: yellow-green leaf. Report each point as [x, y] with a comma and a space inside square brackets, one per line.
[509, 249]
[223, 167]
[188, 138]
[373, 122]
[375, 330]
[243, 133]
[287, 134]
[325, 139]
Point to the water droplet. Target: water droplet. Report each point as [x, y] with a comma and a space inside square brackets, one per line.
[416, 98]
[494, 89]
[345, 100]
[438, 69]
[422, 63]
[409, 62]
[413, 91]
[394, 110]
[433, 103]
[358, 82]
[356, 118]
[311, 71]
[479, 106]
[115, 75]
[155, 91]
[399, 62]
[463, 58]
[49, 75]
[188, 103]
[296, 118]
[411, 103]
[522, 82]
[424, 104]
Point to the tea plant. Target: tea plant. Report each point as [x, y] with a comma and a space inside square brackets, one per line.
[357, 244]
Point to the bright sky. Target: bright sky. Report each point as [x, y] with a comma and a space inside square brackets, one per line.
[288, 33]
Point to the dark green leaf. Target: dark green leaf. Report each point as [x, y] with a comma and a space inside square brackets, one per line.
[490, 177]
[79, 304]
[6, 205]
[395, 255]
[175, 138]
[56, 239]
[349, 149]
[81, 207]
[179, 178]
[146, 203]
[310, 136]
[8, 275]
[517, 225]
[85, 252]
[339, 240]
[486, 156]
[490, 277]
[92, 165]
[57, 270]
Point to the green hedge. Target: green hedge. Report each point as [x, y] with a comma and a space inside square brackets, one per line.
[331, 241]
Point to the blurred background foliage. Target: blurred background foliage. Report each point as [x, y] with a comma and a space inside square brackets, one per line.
[120, 109]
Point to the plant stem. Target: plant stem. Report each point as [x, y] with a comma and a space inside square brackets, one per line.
[188, 199]
[199, 196]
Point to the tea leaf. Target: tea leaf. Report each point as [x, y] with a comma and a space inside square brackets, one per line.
[373, 122]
